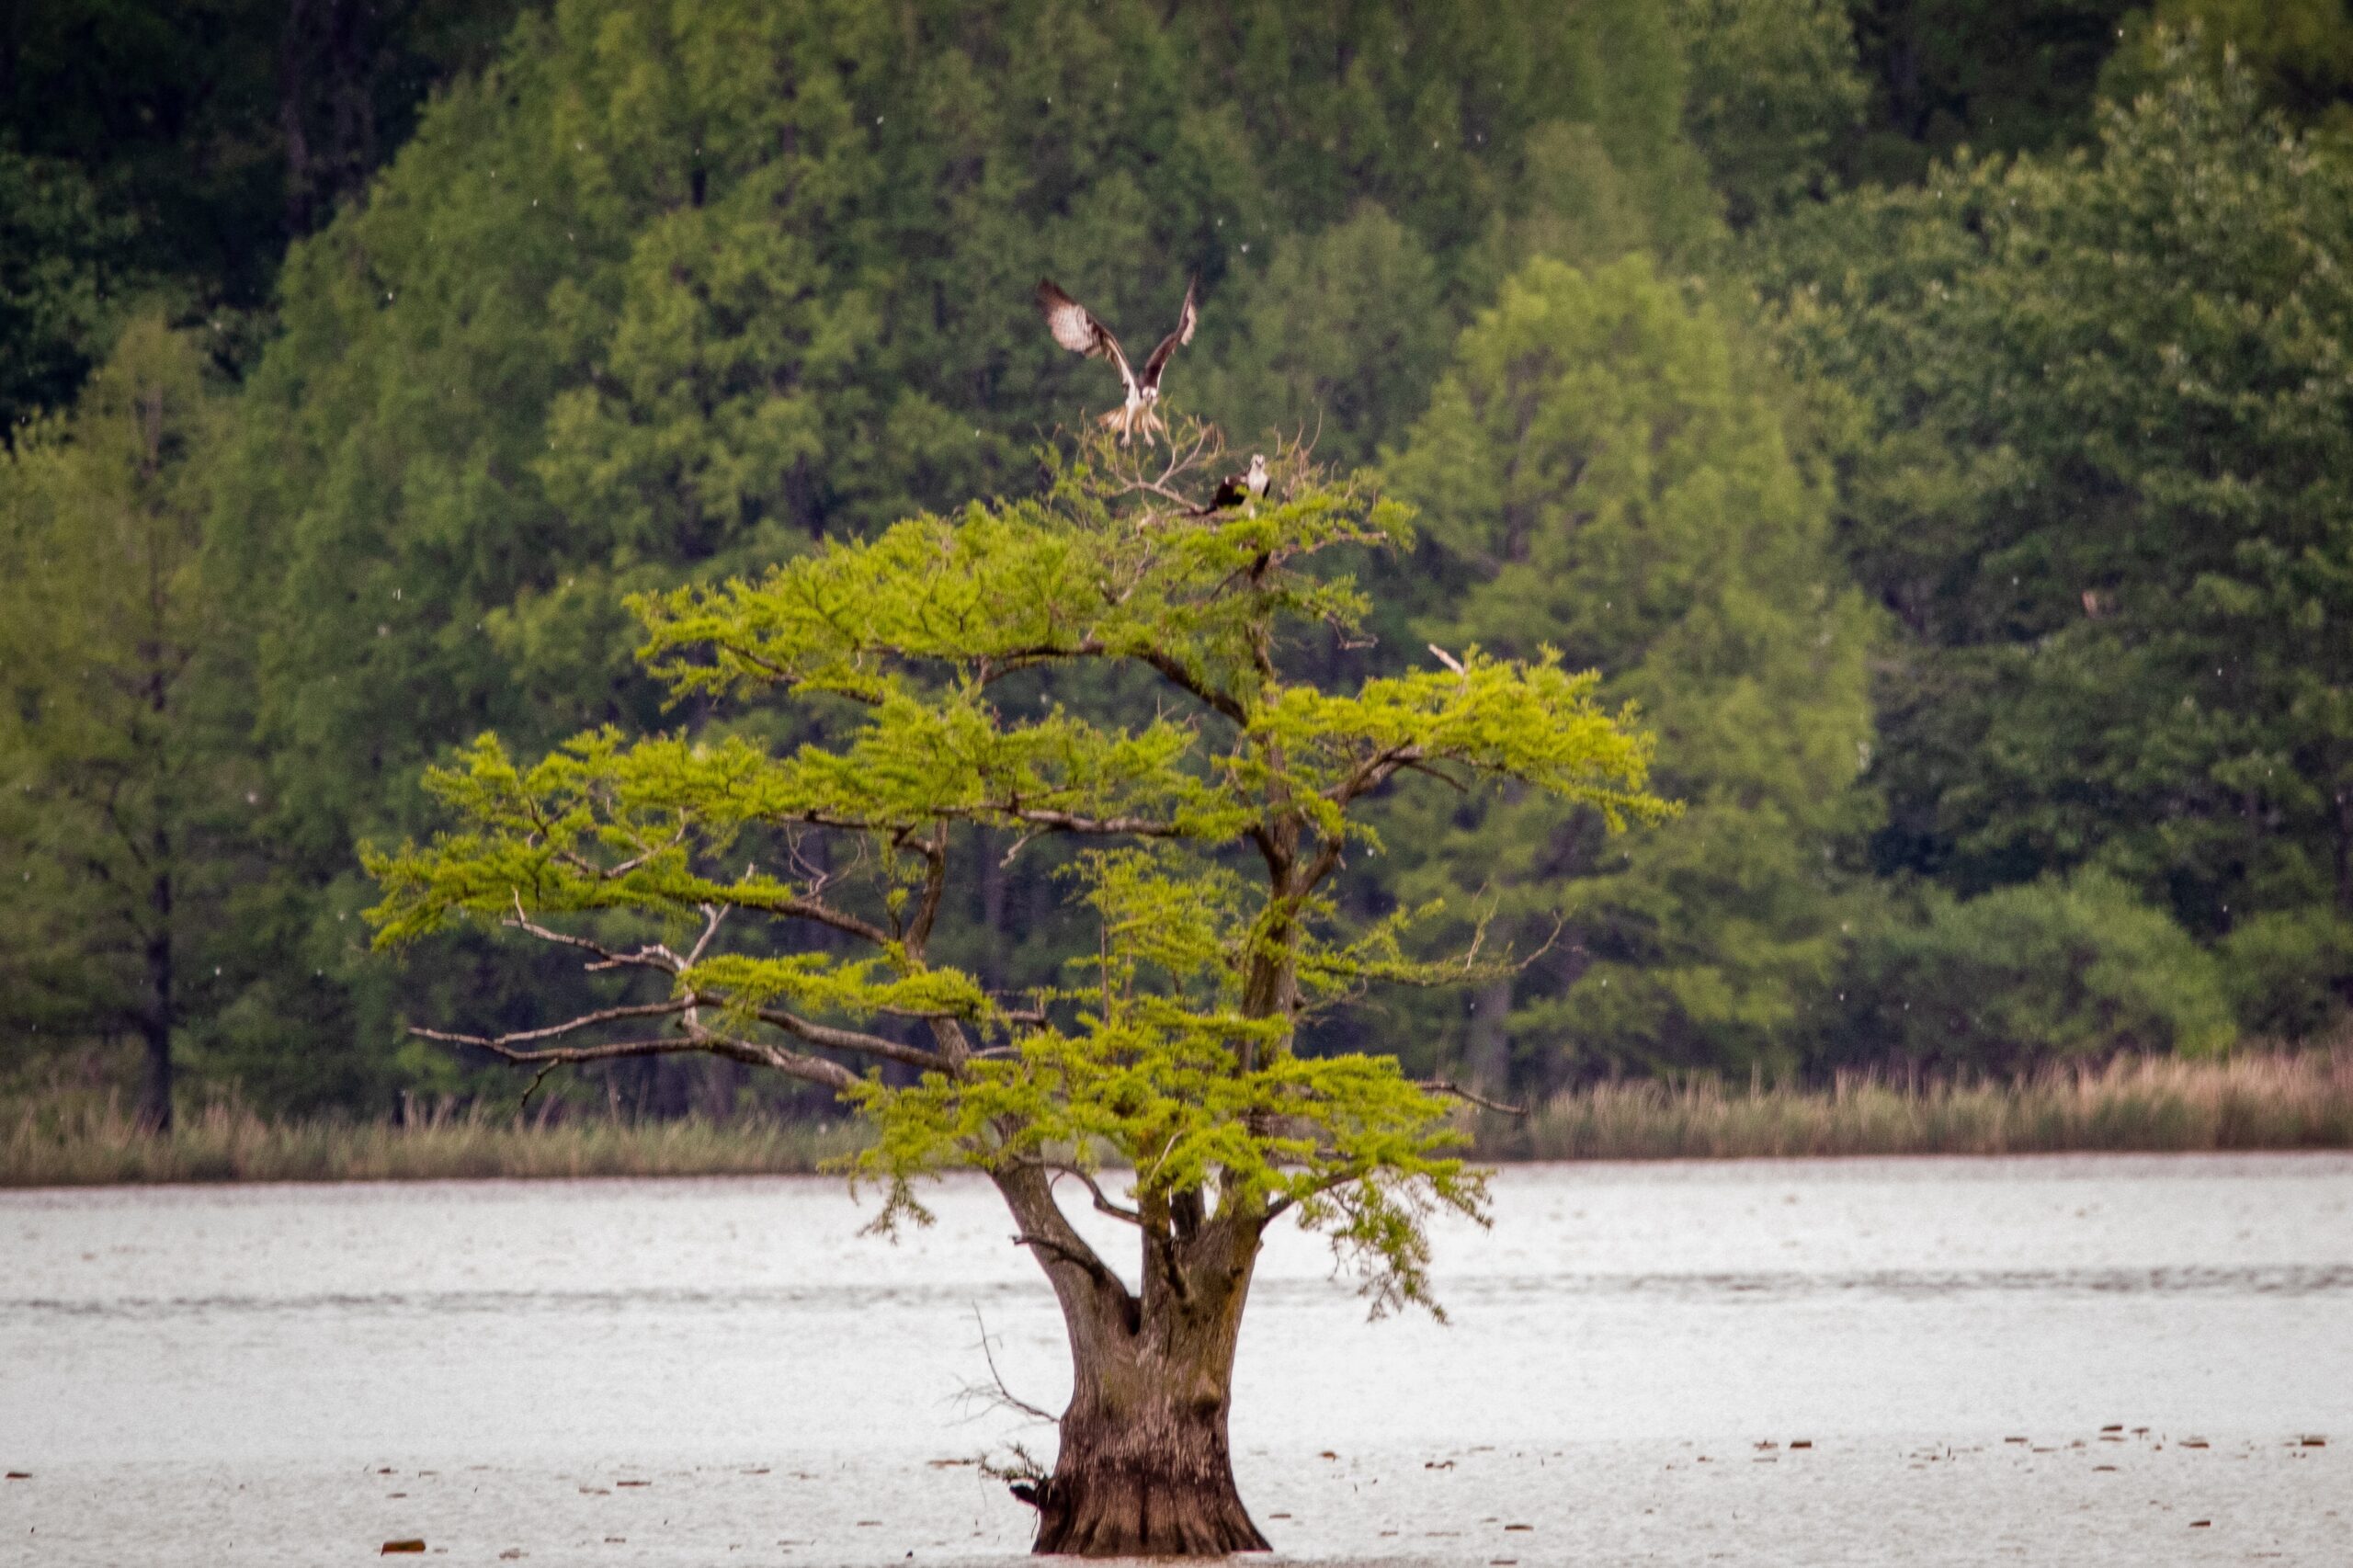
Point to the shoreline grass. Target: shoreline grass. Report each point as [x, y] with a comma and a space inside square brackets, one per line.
[2254, 1100]
[2251, 1101]
[95, 1143]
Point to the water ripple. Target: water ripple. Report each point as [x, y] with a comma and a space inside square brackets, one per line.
[1720, 1287]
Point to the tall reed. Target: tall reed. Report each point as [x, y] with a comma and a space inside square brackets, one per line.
[93, 1142]
[2252, 1101]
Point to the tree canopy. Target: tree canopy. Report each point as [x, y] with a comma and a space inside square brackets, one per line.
[1214, 832]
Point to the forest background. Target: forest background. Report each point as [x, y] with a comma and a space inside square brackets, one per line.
[1937, 415]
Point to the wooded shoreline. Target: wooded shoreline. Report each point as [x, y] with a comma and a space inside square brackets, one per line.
[2251, 1101]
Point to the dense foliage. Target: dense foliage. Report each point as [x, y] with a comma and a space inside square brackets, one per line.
[2019, 320]
[1216, 797]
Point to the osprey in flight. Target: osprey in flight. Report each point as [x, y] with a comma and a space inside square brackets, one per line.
[1076, 328]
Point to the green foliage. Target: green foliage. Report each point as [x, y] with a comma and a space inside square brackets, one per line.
[107, 773]
[1600, 472]
[2096, 458]
[2289, 972]
[671, 293]
[222, 127]
[1995, 75]
[59, 255]
[2300, 51]
[2028, 976]
[1774, 88]
[1169, 1047]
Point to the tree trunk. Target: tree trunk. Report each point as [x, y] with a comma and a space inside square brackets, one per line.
[156, 1019]
[1144, 1468]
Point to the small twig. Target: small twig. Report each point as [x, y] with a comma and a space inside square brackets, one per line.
[534, 1086]
[999, 1394]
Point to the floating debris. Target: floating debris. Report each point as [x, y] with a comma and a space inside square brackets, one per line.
[394, 1547]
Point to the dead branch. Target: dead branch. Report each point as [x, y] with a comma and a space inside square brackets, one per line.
[997, 1393]
[504, 1042]
[1446, 1087]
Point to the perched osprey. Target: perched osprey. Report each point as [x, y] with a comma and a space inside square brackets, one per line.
[1234, 489]
[1076, 328]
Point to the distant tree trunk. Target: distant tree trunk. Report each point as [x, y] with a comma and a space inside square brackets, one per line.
[993, 936]
[1145, 1468]
[156, 1017]
[2344, 850]
[326, 113]
[1487, 1058]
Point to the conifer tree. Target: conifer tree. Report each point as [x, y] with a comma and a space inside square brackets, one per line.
[1599, 473]
[104, 613]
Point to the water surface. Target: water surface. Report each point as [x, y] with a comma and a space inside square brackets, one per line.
[296, 1374]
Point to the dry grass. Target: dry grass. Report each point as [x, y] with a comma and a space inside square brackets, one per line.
[91, 1141]
[2252, 1101]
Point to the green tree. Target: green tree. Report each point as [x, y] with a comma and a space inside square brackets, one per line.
[60, 257]
[2021, 978]
[223, 127]
[1342, 330]
[933, 658]
[672, 291]
[103, 615]
[1996, 76]
[2097, 457]
[1774, 89]
[1603, 476]
[2300, 51]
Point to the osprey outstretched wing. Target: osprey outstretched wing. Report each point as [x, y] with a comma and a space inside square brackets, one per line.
[1076, 328]
[1187, 319]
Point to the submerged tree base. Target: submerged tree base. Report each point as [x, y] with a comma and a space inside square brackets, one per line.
[1131, 1512]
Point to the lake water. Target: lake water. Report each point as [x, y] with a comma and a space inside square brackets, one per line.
[2049, 1360]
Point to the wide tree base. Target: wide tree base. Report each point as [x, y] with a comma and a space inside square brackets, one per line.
[1122, 1513]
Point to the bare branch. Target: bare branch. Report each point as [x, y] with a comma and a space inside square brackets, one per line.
[793, 1063]
[606, 957]
[1070, 822]
[852, 1040]
[1102, 1201]
[1446, 1087]
[1177, 675]
[503, 1043]
[997, 1393]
